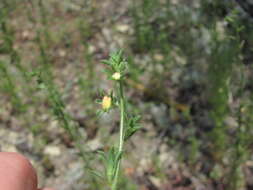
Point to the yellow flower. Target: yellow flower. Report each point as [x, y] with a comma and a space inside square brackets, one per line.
[106, 102]
[116, 76]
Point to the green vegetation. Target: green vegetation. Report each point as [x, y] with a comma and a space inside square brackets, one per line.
[187, 71]
[128, 124]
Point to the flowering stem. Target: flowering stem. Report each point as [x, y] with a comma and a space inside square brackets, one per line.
[121, 137]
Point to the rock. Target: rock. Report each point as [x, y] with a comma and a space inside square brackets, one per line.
[122, 28]
[158, 57]
[52, 150]
[94, 144]
[156, 181]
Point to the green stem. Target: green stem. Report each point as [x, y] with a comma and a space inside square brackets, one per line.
[122, 116]
[121, 137]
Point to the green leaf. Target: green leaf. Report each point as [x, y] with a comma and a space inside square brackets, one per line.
[130, 132]
[111, 160]
[133, 126]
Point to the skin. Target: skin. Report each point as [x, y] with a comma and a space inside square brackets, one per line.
[17, 173]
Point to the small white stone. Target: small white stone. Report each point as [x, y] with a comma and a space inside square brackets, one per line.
[52, 150]
[25, 34]
[122, 28]
[156, 181]
[94, 144]
[158, 57]
[62, 53]
[91, 49]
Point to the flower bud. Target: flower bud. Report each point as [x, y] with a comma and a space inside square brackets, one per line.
[116, 76]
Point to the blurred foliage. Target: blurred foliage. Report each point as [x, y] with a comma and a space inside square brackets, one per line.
[190, 61]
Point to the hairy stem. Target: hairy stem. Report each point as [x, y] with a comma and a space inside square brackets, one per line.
[121, 137]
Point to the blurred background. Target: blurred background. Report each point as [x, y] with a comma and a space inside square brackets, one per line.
[190, 79]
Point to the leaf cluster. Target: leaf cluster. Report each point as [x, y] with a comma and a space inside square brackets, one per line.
[132, 126]
[116, 63]
[111, 161]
